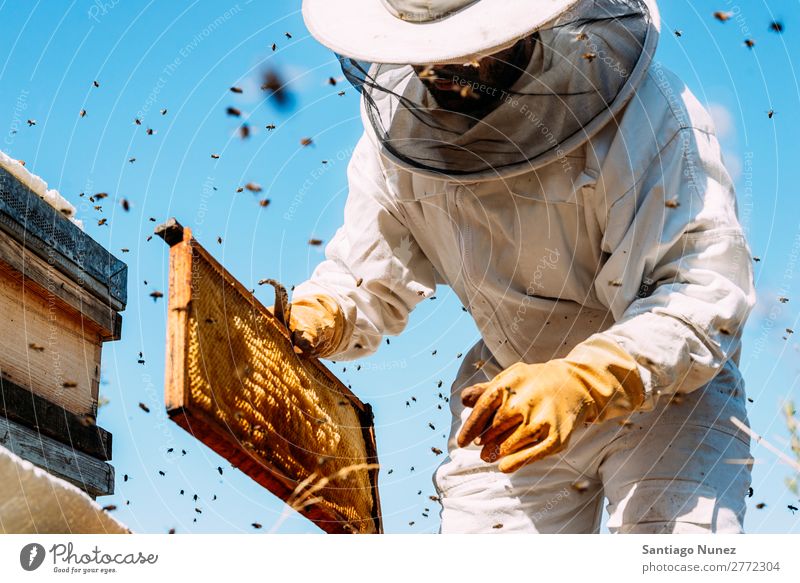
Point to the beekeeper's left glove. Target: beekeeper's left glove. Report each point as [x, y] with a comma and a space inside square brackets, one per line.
[529, 411]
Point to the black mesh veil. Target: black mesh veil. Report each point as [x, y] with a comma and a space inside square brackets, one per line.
[583, 67]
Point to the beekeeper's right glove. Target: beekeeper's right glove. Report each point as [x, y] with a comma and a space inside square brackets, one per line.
[317, 325]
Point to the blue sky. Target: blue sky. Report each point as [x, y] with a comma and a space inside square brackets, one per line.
[184, 57]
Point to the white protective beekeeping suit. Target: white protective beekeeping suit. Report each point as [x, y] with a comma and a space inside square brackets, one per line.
[627, 228]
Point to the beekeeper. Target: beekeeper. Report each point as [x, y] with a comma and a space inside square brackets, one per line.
[571, 191]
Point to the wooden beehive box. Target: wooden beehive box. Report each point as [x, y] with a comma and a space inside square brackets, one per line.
[234, 381]
[60, 297]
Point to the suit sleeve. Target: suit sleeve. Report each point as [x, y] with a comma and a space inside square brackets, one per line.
[373, 267]
[678, 276]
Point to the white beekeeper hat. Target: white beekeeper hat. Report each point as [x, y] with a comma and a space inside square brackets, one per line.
[419, 32]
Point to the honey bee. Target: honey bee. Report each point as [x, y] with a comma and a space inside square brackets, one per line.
[581, 486]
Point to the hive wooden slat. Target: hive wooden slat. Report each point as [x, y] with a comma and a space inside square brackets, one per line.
[234, 381]
[52, 351]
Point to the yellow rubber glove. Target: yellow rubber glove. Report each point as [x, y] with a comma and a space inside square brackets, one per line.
[529, 411]
[317, 325]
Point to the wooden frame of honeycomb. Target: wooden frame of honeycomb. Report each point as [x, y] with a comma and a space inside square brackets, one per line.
[234, 381]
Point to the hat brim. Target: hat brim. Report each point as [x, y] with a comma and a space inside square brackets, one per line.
[366, 30]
